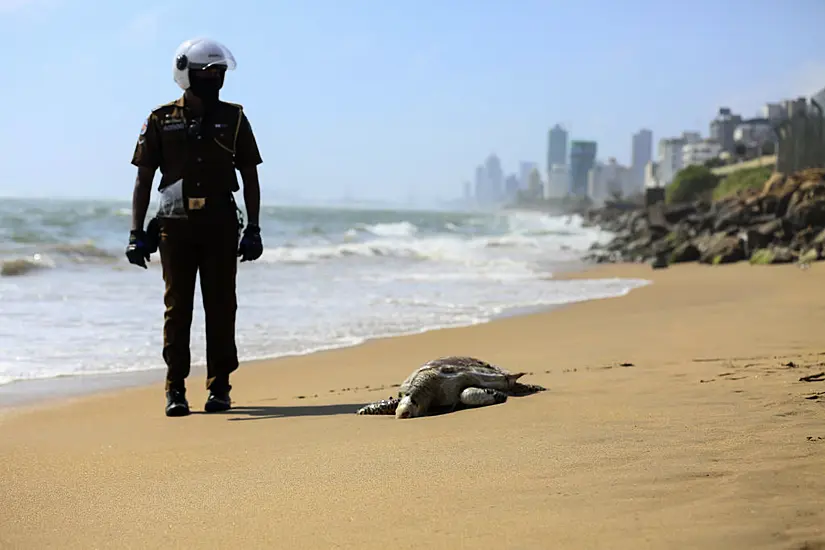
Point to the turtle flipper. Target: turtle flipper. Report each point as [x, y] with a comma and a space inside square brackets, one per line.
[520, 389]
[481, 397]
[383, 407]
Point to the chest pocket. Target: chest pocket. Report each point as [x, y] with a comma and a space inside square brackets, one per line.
[225, 132]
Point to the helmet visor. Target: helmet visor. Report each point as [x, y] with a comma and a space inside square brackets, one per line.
[228, 64]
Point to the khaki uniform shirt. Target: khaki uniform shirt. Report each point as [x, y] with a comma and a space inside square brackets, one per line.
[204, 154]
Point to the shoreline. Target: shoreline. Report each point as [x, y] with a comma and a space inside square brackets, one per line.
[35, 393]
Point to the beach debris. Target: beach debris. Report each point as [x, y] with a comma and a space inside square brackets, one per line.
[448, 383]
[624, 364]
[818, 377]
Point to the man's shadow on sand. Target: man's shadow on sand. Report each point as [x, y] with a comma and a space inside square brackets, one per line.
[260, 412]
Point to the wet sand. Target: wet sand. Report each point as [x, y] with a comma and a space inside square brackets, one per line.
[675, 417]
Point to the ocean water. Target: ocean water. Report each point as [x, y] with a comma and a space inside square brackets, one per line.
[71, 305]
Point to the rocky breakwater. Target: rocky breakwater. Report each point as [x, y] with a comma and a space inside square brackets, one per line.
[781, 223]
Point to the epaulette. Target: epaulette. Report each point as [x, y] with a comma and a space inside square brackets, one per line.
[172, 103]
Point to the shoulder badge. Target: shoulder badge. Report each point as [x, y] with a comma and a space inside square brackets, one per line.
[144, 127]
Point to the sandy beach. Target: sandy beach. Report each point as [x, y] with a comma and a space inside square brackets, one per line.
[675, 417]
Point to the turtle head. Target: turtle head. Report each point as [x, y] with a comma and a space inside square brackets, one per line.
[407, 408]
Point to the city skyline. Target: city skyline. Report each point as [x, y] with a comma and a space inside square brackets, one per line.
[582, 172]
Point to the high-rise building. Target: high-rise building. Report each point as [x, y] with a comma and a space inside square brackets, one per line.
[535, 187]
[670, 159]
[558, 181]
[819, 97]
[671, 156]
[754, 133]
[495, 177]
[798, 106]
[652, 175]
[641, 154]
[582, 159]
[605, 181]
[511, 187]
[525, 168]
[722, 128]
[700, 152]
[556, 146]
[774, 112]
[481, 185]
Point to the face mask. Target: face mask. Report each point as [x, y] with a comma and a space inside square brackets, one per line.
[206, 88]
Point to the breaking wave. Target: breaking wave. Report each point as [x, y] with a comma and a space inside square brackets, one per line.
[327, 278]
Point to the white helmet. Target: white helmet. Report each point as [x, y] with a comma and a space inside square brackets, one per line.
[199, 53]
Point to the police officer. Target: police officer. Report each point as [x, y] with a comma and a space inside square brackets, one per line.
[198, 142]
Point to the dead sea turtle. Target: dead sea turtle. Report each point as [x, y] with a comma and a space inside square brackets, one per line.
[449, 382]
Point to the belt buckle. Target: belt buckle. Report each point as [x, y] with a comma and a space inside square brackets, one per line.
[196, 204]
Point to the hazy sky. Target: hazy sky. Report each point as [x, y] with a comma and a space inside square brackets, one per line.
[388, 98]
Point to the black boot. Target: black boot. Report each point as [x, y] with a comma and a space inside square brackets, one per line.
[176, 403]
[218, 399]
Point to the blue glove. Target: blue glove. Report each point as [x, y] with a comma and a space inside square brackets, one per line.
[251, 246]
[138, 250]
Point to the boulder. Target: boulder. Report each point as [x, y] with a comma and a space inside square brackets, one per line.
[685, 252]
[659, 262]
[772, 255]
[721, 248]
[763, 234]
[706, 241]
[640, 246]
[775, 182]
[603, 256]
[769, 204]
[804, 238]
[785, 189]
[808, 210]
[675, 213]
[810, 255]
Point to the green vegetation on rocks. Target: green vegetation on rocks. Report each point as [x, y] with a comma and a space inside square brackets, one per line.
[773, 255]
[810, 255]
[691, 183]
[749, 178]
[761, 257]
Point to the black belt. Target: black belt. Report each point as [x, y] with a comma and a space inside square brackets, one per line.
[195, 204]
